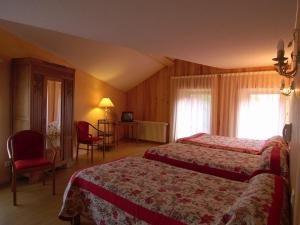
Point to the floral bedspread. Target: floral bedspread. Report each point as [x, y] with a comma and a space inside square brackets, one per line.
[250, 146]
[275, 158]
[140, 191]
[266, 193]
[219, 162]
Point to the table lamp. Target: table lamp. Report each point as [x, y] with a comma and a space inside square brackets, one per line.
[106, 103]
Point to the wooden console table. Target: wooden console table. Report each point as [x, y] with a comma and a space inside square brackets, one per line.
[134, 126]
[110, 132]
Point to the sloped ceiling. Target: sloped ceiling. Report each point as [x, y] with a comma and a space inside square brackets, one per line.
[226, 34]
[121, 67]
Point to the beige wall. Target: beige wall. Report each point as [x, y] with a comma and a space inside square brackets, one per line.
[88, 93]
[88, 90]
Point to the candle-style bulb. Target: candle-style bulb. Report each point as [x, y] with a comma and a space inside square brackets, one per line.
[280, 45]
[280, 50]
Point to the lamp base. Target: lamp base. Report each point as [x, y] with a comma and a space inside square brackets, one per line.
[106, 114]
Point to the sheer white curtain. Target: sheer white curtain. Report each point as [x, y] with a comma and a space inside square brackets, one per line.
[261, 113]
[192, 105]
[251, 105]
[193, 112]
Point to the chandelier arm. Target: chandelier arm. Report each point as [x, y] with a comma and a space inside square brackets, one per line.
[290, 74]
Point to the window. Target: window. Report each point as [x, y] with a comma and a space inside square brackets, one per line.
[261, 114]
[193, 112]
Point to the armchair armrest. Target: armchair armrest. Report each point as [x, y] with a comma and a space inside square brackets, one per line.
[100, 132]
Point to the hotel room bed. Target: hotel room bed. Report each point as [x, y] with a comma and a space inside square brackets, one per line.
[244, 145]
[228, 164]
[140, 191]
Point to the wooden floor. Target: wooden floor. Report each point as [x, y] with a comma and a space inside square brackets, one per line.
[36, 205]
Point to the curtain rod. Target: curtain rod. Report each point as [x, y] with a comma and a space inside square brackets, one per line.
[222, 74]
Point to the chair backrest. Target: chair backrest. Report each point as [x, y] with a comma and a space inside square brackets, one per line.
[26, 144]
[82, 129]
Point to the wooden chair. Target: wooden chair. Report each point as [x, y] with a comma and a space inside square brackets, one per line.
[84, 137]
[26, 151]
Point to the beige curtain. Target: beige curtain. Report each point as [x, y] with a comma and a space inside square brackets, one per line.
[229, 103]
[193, 105]
[235, 104]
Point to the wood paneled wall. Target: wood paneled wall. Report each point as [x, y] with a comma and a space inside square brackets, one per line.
[150, 99]
[295, 150]
[295, 142]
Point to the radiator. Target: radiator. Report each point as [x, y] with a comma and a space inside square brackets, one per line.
[152, 131]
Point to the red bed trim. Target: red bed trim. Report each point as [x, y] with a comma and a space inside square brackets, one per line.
[198, 168]
[134, 209]
[277, 202]
[275, 160]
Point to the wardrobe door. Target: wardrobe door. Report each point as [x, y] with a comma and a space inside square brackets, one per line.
[68, 119]
[37, 115]
[20, 94]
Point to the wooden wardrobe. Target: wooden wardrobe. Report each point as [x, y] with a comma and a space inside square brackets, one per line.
[42, 100]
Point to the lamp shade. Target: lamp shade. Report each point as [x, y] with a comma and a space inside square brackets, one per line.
[106, 103]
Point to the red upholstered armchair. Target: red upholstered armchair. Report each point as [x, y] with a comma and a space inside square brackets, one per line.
[84, 137]
[26, 151]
